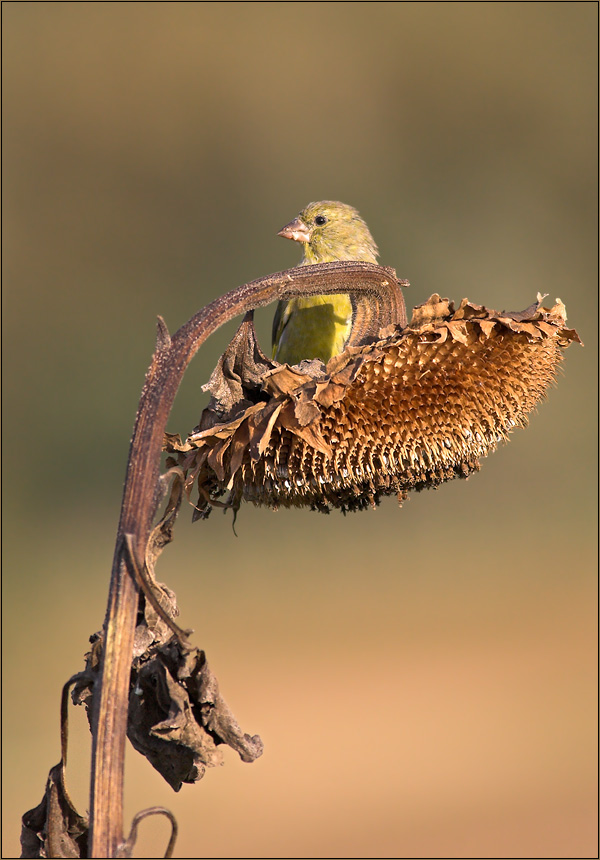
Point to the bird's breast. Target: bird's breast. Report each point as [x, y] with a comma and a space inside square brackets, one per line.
[313, 327]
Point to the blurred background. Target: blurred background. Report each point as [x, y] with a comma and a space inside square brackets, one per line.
[424, 678]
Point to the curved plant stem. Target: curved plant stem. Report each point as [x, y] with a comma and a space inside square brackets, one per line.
[377, 302]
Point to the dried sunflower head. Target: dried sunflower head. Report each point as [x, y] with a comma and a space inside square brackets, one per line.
[418, 406]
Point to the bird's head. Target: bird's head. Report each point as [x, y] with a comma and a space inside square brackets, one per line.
[331, 231]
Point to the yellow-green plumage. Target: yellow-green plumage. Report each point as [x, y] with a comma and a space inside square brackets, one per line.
[318, 326]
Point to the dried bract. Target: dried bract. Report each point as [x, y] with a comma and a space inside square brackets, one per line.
[416, 407]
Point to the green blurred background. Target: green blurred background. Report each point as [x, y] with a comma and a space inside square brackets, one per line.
[423, 678]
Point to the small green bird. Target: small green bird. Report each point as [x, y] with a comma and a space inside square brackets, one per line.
[319, 326]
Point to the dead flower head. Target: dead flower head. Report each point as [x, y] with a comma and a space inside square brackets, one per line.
[416, 407]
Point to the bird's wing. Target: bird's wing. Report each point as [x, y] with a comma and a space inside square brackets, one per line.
[280, 320]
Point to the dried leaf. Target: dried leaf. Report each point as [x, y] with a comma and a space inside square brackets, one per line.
[309, 434]
[458, 331]
[284, 380]
[172, 442]
[262, 429]
[306, 411]
[54, 828]
[486, 326]
[178, 718]
[327, 393]
[162, 727]
[433, 310]
[169, 721]
[238, 374]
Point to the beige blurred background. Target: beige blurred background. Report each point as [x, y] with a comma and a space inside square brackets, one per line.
[424, 678]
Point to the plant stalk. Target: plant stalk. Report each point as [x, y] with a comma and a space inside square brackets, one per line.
[377, 302]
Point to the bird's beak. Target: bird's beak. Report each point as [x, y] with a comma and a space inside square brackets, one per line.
[296, 230]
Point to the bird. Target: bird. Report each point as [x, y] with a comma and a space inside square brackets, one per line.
[319, 326]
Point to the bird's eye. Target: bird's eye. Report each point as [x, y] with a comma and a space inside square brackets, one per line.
[320, 220]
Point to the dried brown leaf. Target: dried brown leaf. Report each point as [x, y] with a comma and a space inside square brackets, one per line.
[433, 310]
[240, 370]
[54, 828]
[178, 718]
[283, 380]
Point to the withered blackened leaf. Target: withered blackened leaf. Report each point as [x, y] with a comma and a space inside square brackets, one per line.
[161, 726]
[216, 715]
[177, 717]
[54, 828]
